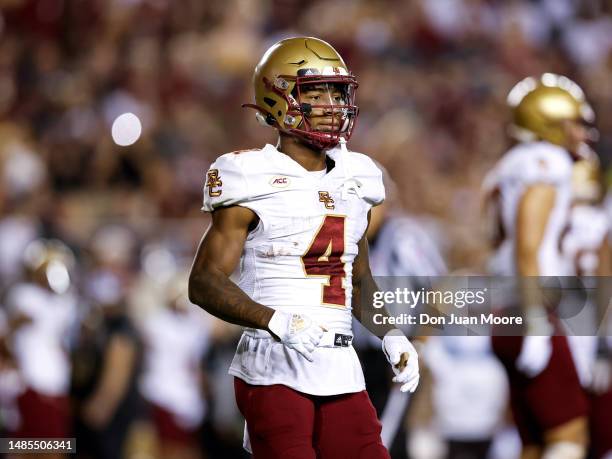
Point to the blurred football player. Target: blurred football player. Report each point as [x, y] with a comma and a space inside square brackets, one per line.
[469, 394]
[530, 189]
[107, 354]
[295, 215]
[176, 336]
[585, 244]
[40, 313]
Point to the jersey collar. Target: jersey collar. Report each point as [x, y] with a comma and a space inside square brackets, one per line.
[333, 161]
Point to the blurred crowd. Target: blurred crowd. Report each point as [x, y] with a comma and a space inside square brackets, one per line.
[433, 78]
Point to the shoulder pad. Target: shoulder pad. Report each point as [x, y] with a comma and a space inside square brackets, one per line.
[538, 162]
[369, 174]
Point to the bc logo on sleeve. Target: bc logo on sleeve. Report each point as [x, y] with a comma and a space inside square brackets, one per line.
[213, 181]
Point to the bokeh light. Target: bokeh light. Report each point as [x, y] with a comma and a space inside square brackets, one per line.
[126, 129]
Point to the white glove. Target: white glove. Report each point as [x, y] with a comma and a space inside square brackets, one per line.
[395, 345]
[535, 355]
[296, 331]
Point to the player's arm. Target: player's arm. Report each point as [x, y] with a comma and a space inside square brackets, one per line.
[533, 214]
[602, 367]
[400, 353]
[364, 287]
[210, 286]
[118, 366]
[217, 257]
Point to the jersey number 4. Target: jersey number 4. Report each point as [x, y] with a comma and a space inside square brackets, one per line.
[324, 259]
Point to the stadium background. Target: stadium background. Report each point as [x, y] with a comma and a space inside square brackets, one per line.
[433, 78]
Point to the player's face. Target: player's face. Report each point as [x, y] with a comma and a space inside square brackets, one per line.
[323, 98]
[576, 133]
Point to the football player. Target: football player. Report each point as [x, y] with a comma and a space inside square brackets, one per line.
[585, 243]
[293, 217]
[530, 188]
[40, 312]
[176, 336]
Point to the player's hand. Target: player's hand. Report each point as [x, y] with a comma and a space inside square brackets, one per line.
[535, 355]
[296, 331]
[403, 358]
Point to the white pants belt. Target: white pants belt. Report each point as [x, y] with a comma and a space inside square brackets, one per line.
[331, 338]
[336, 339]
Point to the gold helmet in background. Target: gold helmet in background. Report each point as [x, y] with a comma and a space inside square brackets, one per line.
[50, 262]
[282, 73]
[541, 105]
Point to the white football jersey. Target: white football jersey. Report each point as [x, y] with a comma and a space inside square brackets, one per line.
[39, 345]
[470, 390]
[584, 236]
[175, 343]
[299, 258]
[522, 166]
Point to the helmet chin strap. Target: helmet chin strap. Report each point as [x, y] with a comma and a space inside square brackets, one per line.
[350, 182]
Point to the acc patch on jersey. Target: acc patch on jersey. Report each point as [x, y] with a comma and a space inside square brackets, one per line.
[280, 181]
